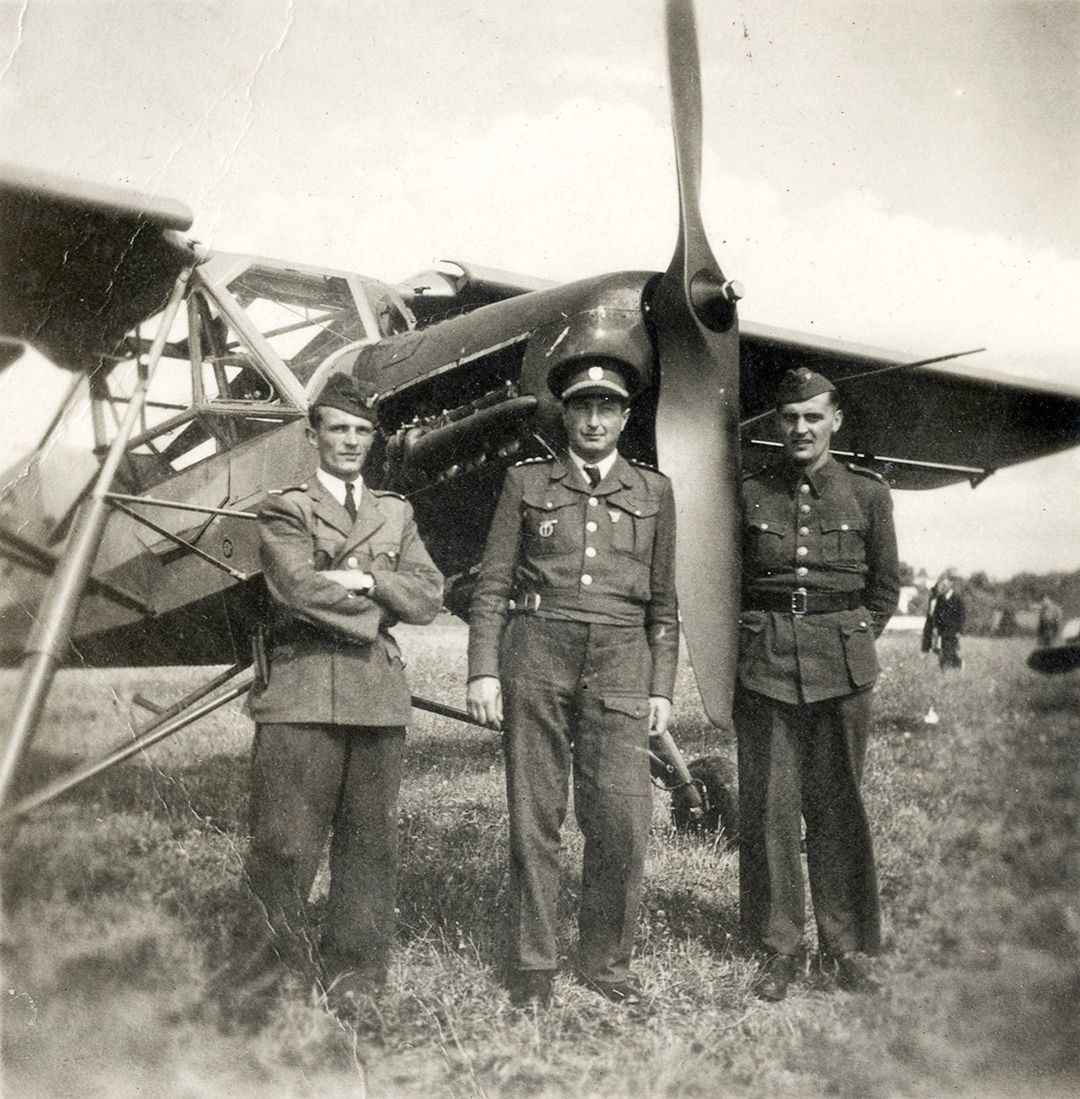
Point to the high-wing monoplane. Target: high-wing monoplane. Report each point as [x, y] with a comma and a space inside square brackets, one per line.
[197, 368]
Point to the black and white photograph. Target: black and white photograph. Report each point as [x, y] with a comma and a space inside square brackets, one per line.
[538, 553]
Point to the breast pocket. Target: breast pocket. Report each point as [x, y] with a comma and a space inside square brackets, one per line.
[632, 526]
[843, 539]
[550, 526]
[767, 543]
[385, 555]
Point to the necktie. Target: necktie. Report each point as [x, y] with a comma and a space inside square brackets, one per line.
[350, 500]
[593, 473]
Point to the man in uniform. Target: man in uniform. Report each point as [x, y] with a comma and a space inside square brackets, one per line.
[948, 617]
[342, 563]
[820, 580]
[573, 645]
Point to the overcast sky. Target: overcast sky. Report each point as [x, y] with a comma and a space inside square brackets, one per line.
[900, 175]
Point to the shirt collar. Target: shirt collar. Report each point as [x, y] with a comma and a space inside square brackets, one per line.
[604, 465]
[336, 486]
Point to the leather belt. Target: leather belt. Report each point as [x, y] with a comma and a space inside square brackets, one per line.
[800, 601]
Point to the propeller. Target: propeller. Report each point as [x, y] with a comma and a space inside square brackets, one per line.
[694, 315]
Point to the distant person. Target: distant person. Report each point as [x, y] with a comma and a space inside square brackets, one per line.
[1049, 627]
[931, 643]
[948, 618]
[820, 581]
[342, 563]
[573, 645]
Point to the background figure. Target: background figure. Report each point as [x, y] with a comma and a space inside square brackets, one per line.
[948, 617]
[1049, 627]
[931, 643]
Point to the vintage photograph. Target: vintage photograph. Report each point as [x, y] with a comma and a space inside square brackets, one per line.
[537, 549]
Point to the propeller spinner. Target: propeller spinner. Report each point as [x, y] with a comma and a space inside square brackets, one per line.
[697, 422]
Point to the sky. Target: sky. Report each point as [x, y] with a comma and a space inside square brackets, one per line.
[902, 175]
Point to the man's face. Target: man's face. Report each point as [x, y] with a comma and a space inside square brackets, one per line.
[807, 428]
[593, 425]
[342, 440]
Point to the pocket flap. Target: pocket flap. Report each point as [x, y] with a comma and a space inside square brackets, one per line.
[550, 499]
[754, 621]
[855, 522]
[854, 628]
[639, 507]
[768, 526]
[631, 705]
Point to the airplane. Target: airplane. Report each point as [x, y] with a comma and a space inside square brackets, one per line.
[198, 367]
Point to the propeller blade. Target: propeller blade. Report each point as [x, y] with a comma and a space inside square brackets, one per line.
[697, 422]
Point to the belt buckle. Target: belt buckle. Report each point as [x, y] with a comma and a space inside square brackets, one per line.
[530, 602]
[798, 601]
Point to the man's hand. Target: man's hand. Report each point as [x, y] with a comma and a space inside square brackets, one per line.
[483, 697]
[659, 715]
[353, 579]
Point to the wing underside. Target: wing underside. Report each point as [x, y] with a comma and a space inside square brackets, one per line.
[81, 264]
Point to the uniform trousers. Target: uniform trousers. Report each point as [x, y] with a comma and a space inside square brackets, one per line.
[804, 762]
[576, 701]
[307, 780]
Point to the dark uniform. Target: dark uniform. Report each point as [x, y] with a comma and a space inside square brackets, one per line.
[948, 616]
[331, 719]
[820, 580]
[575, 610]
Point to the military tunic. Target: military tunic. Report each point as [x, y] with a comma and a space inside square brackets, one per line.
[331, 716]
[575, 610]
[820, 580]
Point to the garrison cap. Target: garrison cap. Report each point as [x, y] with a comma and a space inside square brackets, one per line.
[601, 377]
[801, 385]
[343, 392]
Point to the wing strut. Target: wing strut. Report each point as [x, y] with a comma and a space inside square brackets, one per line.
[52, 628]
[189, 709]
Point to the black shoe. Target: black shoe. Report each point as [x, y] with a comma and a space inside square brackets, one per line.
[853, 973]
[532, 988]
[626, 992]
[773, 980]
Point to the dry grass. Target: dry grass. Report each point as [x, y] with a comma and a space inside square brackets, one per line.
[122, 899]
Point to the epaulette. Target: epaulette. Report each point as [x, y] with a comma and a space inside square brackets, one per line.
[288, 488]
[643, 465]
[534, 461]
[387, 492]
[866, 472]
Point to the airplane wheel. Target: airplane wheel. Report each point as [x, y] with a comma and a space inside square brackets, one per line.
[717, 776]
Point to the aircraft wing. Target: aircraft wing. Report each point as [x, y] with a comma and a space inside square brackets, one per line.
[81, 264]
[920, 426]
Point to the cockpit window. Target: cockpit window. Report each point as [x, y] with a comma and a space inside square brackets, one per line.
[305, 317]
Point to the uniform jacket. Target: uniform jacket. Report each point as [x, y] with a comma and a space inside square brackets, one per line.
[827, 531]
[949, 614]
[562, 550]
[331, 656]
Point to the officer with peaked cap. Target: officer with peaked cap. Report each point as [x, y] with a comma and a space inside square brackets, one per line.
[342, 564]
[820, 580]
[573, 643]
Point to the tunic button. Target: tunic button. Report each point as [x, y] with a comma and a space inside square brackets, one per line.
[804, 489]
[586, 579]
[764, 526]
[353, 563]
[802, 551]
[844, 526]
[805, 509]
[548, 504]
[590, 551]
[802, 570]
[804, 530]
[593, 501]
[590, 526]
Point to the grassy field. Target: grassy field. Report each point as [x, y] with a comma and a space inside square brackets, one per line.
[122, 899]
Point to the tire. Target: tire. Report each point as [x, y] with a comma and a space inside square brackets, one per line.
[717, 776]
